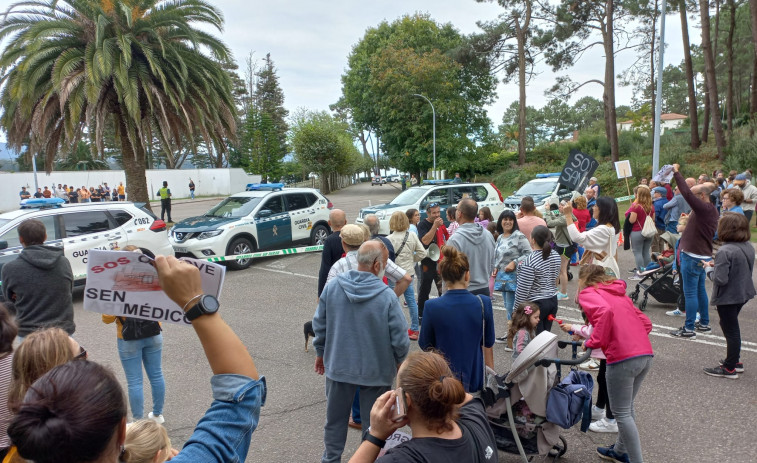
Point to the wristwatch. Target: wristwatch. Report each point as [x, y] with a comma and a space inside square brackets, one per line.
[205, 306]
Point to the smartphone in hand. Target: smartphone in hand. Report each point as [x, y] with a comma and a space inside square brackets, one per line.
[400, 406]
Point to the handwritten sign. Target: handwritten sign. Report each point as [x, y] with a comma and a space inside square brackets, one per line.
[578, 170]
[665, 175]
[126, 284]
[623, 169]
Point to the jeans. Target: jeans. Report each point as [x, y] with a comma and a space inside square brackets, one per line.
[694, 291]
[133, 354]
[547, 307]
[748, 215]
[356, 407]
[641, 250]
[339, 398]
[672, 226]
[412, 306]
[603, 400]
[729, 323]
[623, 382]
[509, 297]
[192, 194]
[428, 274]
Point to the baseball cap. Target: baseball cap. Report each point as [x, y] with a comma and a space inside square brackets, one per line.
[352, 235]
[660, 190]
[740, 177]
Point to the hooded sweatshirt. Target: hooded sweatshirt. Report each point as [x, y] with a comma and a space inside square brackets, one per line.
[620, 329]
[360, 330]
[40, 283]
[478, 244]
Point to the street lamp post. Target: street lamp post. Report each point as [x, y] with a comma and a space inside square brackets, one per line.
[433, 114]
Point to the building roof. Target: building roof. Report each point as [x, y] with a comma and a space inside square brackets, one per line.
[663, 117]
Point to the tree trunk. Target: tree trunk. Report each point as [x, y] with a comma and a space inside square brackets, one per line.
[729, 64]
[709, 66]
[608, 97]
[520, 32]
[134, 161]
[753, 94]
[689, 68]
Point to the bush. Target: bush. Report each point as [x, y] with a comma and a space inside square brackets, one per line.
[742, 154]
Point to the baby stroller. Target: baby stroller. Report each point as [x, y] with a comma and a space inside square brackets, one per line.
[521, 427]
[660, 283]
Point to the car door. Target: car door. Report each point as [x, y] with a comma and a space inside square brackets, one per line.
[86, 230]
[273, 223]
[301, 208]
[14, 247]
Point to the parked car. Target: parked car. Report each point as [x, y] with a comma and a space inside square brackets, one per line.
[268, 216]
[378, 180]
[393, 178]
[540, 189]
[485, 194]
[78, 228]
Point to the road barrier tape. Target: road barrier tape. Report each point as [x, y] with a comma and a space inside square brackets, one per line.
[624, 198]
[278, 252]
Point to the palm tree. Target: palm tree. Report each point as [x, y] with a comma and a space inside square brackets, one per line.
[75, 67]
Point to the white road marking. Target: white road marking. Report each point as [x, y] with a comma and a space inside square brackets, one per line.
[286, 272]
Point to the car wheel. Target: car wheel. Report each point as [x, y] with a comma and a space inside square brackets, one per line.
[318, 235]
[240, 246]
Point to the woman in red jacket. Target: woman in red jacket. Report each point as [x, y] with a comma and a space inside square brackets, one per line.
[622, 332]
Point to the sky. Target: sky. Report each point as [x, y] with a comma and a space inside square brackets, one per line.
[309, 42]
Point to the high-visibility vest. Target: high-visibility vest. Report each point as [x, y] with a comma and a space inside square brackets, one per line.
[164, 193]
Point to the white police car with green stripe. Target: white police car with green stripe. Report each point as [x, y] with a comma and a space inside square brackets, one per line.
[266, 216]
[78, 228]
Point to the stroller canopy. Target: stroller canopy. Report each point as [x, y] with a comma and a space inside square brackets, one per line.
[543, 345]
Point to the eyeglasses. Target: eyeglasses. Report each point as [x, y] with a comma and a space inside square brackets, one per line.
[82, 355]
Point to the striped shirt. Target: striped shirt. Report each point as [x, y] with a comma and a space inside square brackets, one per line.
[349, 262]
[5, 414]
[537, 278]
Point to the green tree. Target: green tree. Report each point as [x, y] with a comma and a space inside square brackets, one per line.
[260, 148]
[269, 98]
[140, 65]
[81, 158]
[586, 111]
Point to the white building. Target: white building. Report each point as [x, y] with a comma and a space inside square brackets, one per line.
[667, 121]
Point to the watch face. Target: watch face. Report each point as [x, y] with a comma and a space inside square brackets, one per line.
[210, 304]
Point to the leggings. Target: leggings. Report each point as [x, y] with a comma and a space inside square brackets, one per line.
[547, 307]
[623, 382]
[602, 399]
[641, 250]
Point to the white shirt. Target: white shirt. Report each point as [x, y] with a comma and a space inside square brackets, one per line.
[349, 262]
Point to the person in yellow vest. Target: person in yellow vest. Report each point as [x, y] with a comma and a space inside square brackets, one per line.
[165, 201]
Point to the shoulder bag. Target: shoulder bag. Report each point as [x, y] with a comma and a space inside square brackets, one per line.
[649, 230]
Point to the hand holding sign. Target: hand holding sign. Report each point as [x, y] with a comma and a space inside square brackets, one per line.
[180, 282]
[578, 170]
[665, 175]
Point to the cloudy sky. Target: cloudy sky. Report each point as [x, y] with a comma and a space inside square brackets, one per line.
[309, 42]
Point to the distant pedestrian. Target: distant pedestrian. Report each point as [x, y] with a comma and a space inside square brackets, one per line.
[165, 201]
[457, 178]
[39, 194]
[191, 189]
[594, 186]
[24, 194]
[106, 192]
[46, 193]
[84, 195]
[73, 195]
[121, 191]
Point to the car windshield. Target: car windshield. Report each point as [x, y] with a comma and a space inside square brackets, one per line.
[234, 206]
[409, 197]
[537, 188]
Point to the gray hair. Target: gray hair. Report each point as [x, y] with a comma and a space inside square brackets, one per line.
[372, 221]
[369, 252]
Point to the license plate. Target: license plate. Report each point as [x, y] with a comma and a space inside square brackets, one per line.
[178, 249]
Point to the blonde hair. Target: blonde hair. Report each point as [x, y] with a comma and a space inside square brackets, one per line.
[398, 222]
[580, 203]
[132, 248]
[644, 198]
[144, 439]
[40, 352]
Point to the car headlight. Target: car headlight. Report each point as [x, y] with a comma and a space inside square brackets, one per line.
[380, 215]
[209, 234]
[170, 230]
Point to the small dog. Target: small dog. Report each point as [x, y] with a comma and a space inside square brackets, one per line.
[308, 330]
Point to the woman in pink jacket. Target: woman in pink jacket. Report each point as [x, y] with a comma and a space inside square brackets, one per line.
[622, 332]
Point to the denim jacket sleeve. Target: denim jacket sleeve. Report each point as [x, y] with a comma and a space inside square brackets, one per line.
[224, 433]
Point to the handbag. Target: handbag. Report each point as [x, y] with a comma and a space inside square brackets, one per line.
[649, 230]
[506, 281]
[570, 401]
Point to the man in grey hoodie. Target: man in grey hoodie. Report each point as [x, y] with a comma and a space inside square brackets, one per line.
[477, 243]
[360, 341]
[39, 283]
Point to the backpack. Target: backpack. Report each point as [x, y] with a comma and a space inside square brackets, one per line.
[133, 329]
[570, 401]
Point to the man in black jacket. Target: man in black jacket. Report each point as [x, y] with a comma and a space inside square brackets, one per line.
[39, 283]
[332, 247]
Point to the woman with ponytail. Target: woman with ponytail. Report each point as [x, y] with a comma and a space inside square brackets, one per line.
[459, 324]
[537, 277]
[447, 424]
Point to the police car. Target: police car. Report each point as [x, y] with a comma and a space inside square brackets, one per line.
[266, 216]
[540, 189]
[78, 228]
[441, 192]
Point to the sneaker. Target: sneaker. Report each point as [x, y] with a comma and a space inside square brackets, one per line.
[739, 366]
[501, 340]
[636, 277]
[413, 335]
[721, 372]
[158, 419]
[590, 365]
[609, 454]
[561, 296]
[597, 413]
[675, 313]
[699, 317]
[508, 349]
[702, 328]
[604, 425]
[632, 271]
[682, 332]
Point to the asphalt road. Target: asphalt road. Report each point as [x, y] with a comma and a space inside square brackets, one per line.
[682, 414]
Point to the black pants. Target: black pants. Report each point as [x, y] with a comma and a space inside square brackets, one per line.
[482, 292]
[729, 323]
[602, 400]
[165, 207]
[428, 275]
[547, 307]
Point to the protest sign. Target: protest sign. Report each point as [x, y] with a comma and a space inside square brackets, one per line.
[623, 169]
[665, 175]
[126, 284]
[578, 170]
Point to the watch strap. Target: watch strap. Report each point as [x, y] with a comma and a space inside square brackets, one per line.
[195, 312]
[380, 443]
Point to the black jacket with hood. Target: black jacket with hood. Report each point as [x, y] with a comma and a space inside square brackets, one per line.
[40, 283]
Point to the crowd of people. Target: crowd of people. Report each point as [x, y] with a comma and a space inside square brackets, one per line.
[74, 195]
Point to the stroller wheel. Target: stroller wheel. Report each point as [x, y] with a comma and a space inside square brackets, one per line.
[643, 305]
[559, 450]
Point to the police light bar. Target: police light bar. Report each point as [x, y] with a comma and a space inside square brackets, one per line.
[264, 186]
[551, 175]
[438, 182]
[38, 203]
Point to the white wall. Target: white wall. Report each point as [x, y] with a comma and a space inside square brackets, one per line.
[208, 182]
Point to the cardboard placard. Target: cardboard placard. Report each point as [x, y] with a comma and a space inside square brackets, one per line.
[623, 169]
[578, 169]
[126, 284]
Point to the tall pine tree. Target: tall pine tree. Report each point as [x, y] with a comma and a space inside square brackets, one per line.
[269, 98]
